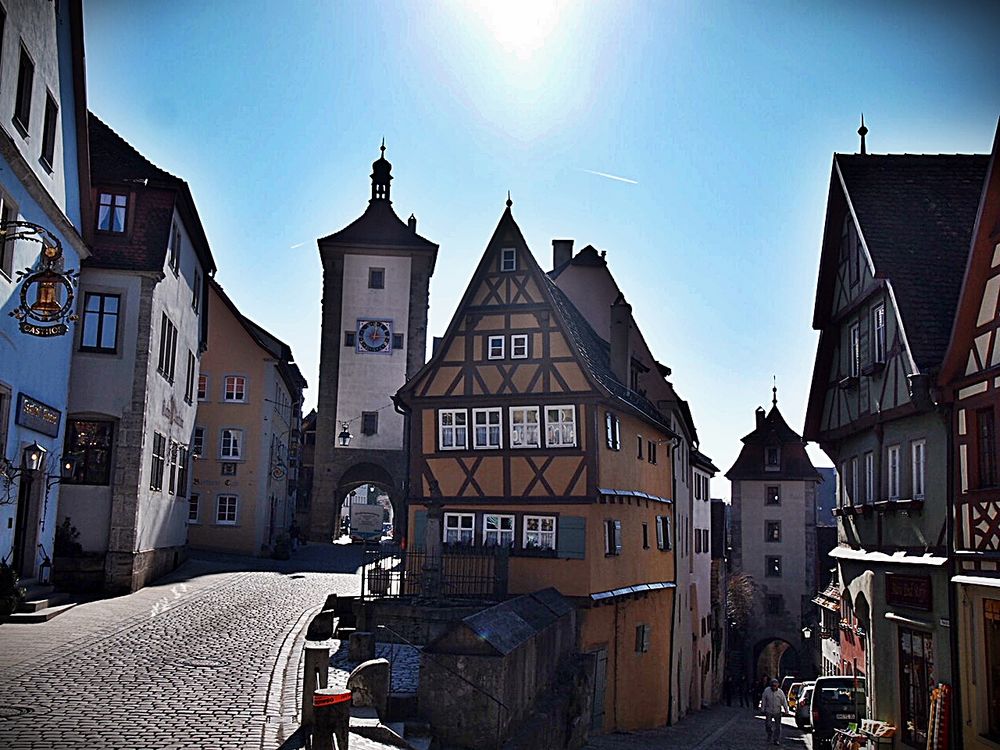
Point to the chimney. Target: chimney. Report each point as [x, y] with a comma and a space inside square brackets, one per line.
[436, 344]
[562, 252]
[621, 355]
[412, 223]
[760, 416]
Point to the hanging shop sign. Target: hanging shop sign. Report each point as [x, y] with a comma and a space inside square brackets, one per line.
[46, 293]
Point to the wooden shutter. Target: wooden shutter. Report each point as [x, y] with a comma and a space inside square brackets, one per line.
[618, 537]
[419, 531]
[571, 537]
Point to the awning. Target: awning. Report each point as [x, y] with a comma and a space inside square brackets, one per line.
[895, 558]
[977, 581]
[638, 588]
[633, 493]
[909, 621]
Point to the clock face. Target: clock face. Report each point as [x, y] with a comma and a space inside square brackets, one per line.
[374, 336]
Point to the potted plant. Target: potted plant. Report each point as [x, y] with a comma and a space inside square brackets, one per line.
[11, 594]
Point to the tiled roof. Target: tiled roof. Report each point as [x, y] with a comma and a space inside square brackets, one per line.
[379, 226]
[595, 354]
[916, 214]
[113, 159]
[773, 431]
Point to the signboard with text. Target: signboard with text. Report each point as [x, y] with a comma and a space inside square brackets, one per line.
[908, 591]
[37, 416]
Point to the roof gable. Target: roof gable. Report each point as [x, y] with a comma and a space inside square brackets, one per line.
[915, 215]
[977, 305]
[773, 431]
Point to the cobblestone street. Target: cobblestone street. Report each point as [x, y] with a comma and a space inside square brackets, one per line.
[717, 728]
[196, 661]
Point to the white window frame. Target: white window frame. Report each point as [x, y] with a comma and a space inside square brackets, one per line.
[893, 470]
[198, 442]
[235, 450]
[227, 521]
[519, 346]
[508, 259]
[504, 528]
[539, 535]
[854, 350]
[524, 425]
[239, 383]
[869, 477]
[855, 496]
[495, 347]
[612, 431]
[918, 455]
[490, 444]
[878, 333]
[464, 522]
[560, 424]
[194, 508]
[453, 429]
[8, 212]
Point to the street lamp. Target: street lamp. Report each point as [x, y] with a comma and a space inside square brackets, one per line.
[807, 632]
[344, 438]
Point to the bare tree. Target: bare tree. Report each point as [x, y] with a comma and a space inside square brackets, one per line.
[740, 600]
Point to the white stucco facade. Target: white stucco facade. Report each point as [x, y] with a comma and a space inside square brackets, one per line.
[369, 379]
[35, 370]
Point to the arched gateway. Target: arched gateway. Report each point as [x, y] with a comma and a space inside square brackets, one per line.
[376, 278]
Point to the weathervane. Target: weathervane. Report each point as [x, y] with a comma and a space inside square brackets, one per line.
[51, 285]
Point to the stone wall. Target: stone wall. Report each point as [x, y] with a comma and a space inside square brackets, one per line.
[476, 699]
[418, 624]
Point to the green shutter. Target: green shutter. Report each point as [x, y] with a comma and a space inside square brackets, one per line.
[571, 537]
[419, 531]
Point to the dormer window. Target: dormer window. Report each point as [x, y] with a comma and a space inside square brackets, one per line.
[508, 259]
[111, 209]
[772, 458]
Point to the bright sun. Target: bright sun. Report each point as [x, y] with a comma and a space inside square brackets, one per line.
[521, 27]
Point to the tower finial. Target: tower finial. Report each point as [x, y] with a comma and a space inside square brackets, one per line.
[774, 391]
[382, 148]
[863, 131]
[509, 201]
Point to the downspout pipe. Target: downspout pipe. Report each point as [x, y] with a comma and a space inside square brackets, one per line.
[956, 723]
[400, 531]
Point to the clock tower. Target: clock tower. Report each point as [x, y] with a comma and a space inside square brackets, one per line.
[376, 281]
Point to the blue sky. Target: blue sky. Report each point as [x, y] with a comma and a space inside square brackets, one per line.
[722, 116]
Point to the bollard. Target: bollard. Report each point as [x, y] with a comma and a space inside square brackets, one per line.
[361, 647]
[332, 707]
[321, 626]
[317, 671]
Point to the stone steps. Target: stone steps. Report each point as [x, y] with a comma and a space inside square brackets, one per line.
[42, 615]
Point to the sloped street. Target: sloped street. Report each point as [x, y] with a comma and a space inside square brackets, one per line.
[716, 728]
[197, 660]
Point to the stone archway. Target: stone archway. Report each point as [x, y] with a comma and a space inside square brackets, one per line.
[324, 520]
[774, 657]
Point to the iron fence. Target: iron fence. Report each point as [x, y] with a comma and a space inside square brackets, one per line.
[458, 572]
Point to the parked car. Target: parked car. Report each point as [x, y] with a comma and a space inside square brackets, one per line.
[835, 703]
[803, 713]
[792, 696]
[786, 682]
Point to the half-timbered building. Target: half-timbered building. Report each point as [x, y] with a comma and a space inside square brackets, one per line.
[970, 381]
[526, 434]
[894, 249]
[586, 279]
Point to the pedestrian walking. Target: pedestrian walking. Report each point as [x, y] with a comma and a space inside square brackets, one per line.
[744, 692]
[293, 534]
[774, 705]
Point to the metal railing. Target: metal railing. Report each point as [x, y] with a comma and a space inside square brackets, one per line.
[458, 572]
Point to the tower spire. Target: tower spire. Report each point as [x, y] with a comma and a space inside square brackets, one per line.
[774, 391]
[509, 201]
[863, 131]
[381, 176]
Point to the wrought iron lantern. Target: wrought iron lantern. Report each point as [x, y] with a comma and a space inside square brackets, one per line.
[47, 293]
[345, 436]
